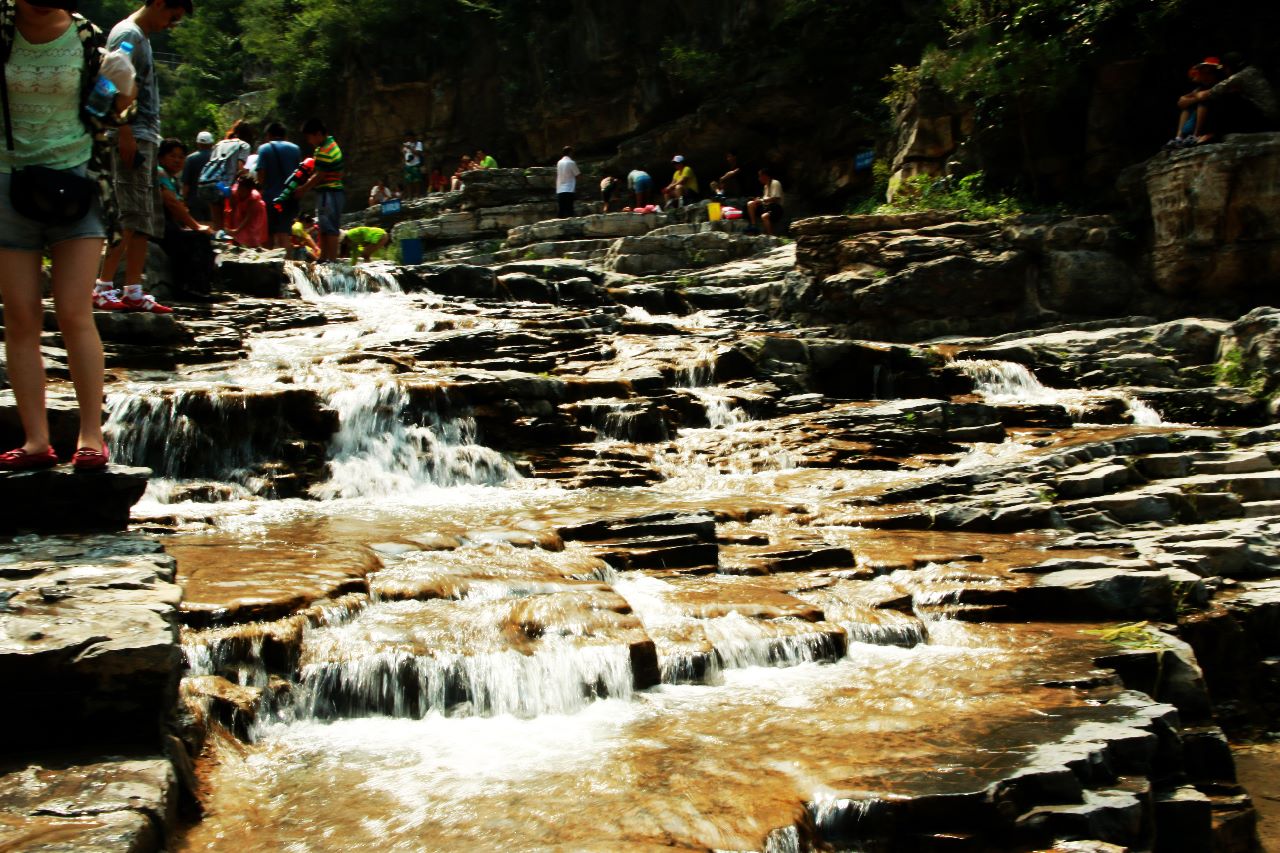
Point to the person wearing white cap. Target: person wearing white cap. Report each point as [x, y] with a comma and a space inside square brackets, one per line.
[683, 188]
[191, 175]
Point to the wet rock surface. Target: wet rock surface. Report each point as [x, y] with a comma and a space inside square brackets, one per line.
[89, 651]
[1214, 234]
[788, 586]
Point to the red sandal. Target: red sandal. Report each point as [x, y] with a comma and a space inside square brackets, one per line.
[88, 459]
[20, 460]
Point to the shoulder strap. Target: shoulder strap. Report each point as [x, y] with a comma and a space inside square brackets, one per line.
[4, 97]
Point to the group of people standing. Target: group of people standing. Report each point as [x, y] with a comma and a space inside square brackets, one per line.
[63, 171]
[79, 175]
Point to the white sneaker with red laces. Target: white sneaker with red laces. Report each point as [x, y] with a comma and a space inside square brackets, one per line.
[147, 303]
[107, 300]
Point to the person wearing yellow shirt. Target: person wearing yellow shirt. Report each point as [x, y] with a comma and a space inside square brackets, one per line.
[365, 240]
[304, 248]
[683, 188]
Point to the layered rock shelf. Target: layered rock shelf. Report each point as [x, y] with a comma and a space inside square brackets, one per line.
[88, 649]
[915, 533]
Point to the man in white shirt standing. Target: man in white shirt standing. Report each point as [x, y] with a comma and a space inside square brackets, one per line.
[567, 173]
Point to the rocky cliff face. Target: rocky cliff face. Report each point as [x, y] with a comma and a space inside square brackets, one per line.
[1215, 214]
[638, 84]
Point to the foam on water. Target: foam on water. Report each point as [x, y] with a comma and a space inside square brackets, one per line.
[561, 677]
[1004, 382]
[382, 448]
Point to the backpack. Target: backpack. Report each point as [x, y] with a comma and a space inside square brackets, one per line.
[223, 163]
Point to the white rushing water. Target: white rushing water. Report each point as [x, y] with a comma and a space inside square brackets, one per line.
[1008, 383]
[561, 678]
[384, 447]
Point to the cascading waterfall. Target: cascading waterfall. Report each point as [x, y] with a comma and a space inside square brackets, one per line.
[316, 280]
[383, 447]
[1008, 382]
[740, 642]
[699, 378]
[561, 677]
[194, 433]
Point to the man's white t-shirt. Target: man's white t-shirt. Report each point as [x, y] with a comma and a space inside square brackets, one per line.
[774, 191]
[566, 175]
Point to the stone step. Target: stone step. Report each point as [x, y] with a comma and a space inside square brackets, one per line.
[1261, 486]
[90, 646]
[107, 805]
[1248, 462]
[594, 227]
[61, 499]
[1260, 509]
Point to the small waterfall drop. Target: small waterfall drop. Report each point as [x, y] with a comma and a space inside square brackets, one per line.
[698, 377]
[313, 281]
[560, 678]
[1005, 382]
[193, 433]
[384, 447]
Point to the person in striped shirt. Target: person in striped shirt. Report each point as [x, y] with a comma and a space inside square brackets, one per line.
[327, 182]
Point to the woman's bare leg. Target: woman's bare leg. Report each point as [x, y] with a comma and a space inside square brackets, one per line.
[23, 324]
[74, 264]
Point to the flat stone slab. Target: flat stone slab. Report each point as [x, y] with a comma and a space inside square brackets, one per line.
[63, 500]
[105, 806]
[88, 639]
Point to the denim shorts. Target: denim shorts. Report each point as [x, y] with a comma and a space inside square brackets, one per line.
[329, 204]
[17, 232]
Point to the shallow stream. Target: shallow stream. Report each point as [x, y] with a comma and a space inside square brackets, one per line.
[476, 678]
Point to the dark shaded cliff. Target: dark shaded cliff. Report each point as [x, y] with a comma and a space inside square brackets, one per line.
[791, 83]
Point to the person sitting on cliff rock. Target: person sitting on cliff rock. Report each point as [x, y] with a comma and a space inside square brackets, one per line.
[439, 183]
[466, 164]
[767, 209]
[360, 243]
[1194, 124]
[730, 183]
[187, 243]
[640, 183]
[1244, 102]
[380, 193]
[683, 189]
[485, 161]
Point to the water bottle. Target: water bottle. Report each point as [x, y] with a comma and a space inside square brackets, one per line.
[116, 76]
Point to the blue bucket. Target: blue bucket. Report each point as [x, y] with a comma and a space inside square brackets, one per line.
[410, 252]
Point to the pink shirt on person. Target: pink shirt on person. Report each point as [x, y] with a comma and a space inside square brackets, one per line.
[252, 212]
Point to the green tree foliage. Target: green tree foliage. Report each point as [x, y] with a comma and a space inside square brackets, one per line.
[295, 52]
[1003, 54]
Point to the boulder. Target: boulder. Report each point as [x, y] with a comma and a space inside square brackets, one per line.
[1215, 214]
[450, 280]
[1251, 350]
[1100, 281]
[252, 275]
[106, 805]
[90, 644]
[61, 499]
[660, 253]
